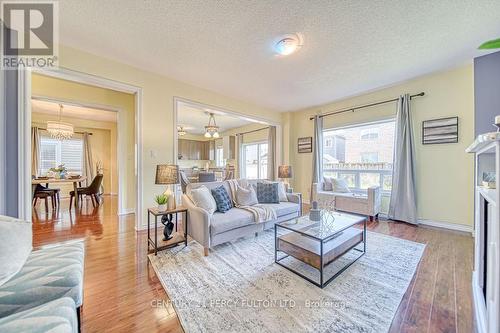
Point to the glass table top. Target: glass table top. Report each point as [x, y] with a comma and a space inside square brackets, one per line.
[331, 223]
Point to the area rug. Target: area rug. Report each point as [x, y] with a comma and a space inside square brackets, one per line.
[239, 288]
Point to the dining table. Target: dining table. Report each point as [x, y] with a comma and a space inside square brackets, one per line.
[76, 181]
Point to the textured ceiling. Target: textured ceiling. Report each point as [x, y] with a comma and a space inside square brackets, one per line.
[226, 46]
[52, 108]
[193, 119]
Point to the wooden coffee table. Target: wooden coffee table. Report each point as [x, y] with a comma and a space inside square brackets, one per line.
[319, 244]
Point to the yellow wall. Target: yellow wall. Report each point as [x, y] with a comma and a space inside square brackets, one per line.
[444, 172]
[158, 93]
[80, 93]
[102, 140]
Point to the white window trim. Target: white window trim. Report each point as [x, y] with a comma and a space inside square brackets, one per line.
[358, 172]
[243, 158]
[58, 159]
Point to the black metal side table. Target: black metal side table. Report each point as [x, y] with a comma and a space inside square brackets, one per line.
[177, 237]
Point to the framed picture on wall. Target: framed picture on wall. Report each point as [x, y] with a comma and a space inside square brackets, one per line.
[437, 131]
[304, 145]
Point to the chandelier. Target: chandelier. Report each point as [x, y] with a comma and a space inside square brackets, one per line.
[181, 131]
[58, 129]
[211, 130]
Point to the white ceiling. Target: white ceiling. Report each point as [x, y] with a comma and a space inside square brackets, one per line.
[52, 108]
[194, 119]
[226, 46]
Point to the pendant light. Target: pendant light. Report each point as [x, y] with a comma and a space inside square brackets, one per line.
[58, 129]
[211, 130]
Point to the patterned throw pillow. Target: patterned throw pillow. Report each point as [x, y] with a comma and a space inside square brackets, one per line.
[267, 193]
[222, 199]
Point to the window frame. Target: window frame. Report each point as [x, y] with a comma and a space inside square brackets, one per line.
[357, 172]
[58, 153]
[243, 158]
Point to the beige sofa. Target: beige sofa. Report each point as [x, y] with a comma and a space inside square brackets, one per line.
[359, 203]
[217, 228]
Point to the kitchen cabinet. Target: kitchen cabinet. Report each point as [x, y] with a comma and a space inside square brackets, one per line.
[195, 150]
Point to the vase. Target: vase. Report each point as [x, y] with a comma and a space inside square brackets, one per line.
[162, 208]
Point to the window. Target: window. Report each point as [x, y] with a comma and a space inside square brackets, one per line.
[362, 155]
[255, 161]
[369, 157]
[54, 152]
[219, 157]
[369, 134]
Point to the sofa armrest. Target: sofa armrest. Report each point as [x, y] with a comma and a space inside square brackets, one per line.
[198, 222]
[294, 197]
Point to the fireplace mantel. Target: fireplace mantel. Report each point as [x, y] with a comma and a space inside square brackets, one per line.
[486, 274]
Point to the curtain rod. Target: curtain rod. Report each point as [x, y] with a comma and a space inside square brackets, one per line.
[257, 130]
[352, 109]
[89, 133]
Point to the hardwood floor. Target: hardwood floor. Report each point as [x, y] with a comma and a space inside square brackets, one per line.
[122, 292]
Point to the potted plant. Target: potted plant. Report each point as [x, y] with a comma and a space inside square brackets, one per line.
[60, 171]
[162, 201]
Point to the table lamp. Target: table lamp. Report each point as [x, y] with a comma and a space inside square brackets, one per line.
[285, 172]
[167, 174]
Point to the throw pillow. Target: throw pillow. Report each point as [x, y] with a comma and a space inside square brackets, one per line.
[327, 184]
[267, 193]
[222, 199]
[282, 192]
[246, 196]
[340, 185]
[202, 198]
[15, 246]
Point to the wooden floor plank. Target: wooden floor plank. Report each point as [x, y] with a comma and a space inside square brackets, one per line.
[123, 294]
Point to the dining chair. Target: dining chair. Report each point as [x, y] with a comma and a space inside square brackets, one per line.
[204, 177]
[92, 190]
[44, 194]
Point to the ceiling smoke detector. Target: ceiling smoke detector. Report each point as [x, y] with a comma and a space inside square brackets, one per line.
[288, 44]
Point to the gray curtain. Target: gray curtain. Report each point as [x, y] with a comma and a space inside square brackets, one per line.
[271, 154]
[35, 151]
[403, 204]
[88, 164]
[317, 150]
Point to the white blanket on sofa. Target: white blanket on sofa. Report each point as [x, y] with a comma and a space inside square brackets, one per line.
[261, 213]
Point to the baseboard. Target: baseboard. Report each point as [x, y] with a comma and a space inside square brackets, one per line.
[127, 211]
[450, 226]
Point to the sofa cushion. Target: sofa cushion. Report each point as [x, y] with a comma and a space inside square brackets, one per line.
[246, 196]
[222, 199]
[268, 193]
[340, 185]
[57, 316]
[48, 274]
[202, 198]
[231, 219]
[284, 208]
[15, 246]
[327, 184]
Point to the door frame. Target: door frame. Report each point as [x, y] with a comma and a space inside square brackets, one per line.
[25, 131]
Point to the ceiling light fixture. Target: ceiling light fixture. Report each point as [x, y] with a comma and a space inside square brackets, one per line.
[59, 130]
[211, 130]
[181, 131]
[288, 44]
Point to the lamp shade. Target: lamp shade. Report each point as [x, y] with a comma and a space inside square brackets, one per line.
[167, 174]
[285, 171]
